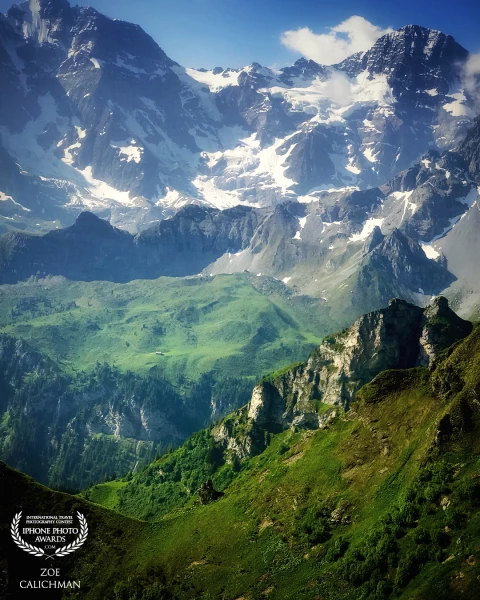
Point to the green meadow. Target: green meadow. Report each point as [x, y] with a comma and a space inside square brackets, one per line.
[233, 324]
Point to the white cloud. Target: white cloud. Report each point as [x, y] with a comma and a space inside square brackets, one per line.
[355, 34]
[471, 76]
[338, 88]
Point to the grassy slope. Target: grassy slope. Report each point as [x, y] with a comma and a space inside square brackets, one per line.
[255, 539]
[380, 467]
[101, 561]
[407, 502]
[200, 324]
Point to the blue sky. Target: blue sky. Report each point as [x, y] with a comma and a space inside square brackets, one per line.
[209, 33]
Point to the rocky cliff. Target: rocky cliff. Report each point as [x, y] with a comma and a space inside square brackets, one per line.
[400, 336]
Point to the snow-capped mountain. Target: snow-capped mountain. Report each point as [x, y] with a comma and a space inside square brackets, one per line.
[414, 238]
[94, 115]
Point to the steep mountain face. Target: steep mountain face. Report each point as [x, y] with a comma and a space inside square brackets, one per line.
[401, 336]
[394, 266]
[410, 58]
[351, 124]
[99, 118]
[458, 244]
[74, 71]
[470, 150]
[91, 249]
[358, 249]
[53, 420]
[354, 248]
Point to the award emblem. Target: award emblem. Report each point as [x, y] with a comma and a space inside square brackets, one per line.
[41, 528]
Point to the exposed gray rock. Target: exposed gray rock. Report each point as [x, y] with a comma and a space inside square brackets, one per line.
[399, 262]
[373, 240]
[400, 336]
[441, 328]
[250, 442]
[470, 150]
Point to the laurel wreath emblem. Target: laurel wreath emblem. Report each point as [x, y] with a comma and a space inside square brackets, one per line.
[21, 543]
[36, 551]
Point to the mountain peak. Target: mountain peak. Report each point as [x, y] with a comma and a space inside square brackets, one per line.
[422, 38]
[303, 67]
[42, 5]
[373, 240]
[42, 20]
[87, 222]
[45, 9]
[413, 28]
[411, 54]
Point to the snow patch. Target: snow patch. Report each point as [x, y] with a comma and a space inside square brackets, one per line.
[136, 70]
[6, 198]
[470, 198]
[215, 196]
[369, 155]
[67, 153]
[430, 252]
[33, 24]
[271, 163]
[132, 152]
[331, 100]
[368, 227]
[80, 132]
[405, 196]
[102, 190]
[458, 106]
[353, 169]
[301, 222]
[215, 81]
[172, 199]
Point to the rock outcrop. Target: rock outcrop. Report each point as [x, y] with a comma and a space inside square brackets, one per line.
[311, 394]
[400, 336]
[442, 328]
[207, 493]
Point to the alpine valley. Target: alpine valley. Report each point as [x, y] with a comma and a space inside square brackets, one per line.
[238, 315]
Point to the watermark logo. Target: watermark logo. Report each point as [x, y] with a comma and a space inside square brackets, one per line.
[50, 532]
